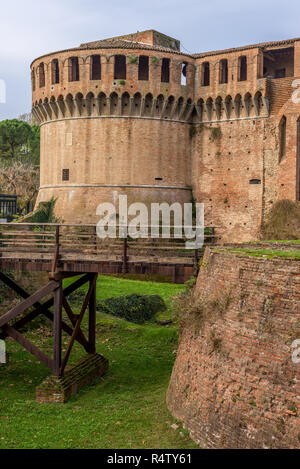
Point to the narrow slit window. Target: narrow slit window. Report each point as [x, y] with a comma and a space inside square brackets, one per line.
[73, 69]
[282, 137]
[165, 71]
[255, 181]
[143, 67]
[223, 78]
[120, 67]
[42, 75]
[55, 71]
[95, 67]
[205, 74]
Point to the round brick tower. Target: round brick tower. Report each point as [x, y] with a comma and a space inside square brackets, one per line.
[114, 118]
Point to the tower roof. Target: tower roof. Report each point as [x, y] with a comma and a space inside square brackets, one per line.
[141, 39]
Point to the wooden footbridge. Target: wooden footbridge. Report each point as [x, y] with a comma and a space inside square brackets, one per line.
[76, 251]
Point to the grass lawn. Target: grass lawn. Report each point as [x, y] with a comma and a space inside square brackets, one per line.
[126, 409]
[267, 253]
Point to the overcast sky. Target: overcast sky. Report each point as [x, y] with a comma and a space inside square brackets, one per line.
[30, 28]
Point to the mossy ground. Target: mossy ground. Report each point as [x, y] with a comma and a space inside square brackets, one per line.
[266, 253]
[126, 409]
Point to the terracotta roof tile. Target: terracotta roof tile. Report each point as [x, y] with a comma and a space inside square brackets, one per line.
[261, 45]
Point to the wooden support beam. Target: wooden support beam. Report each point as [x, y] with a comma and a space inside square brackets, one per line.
[43, 308]
[78, 323]
[11, 332]
[92, 316]
[27, 303]
[80, 337]
[57, 330]
[11, 284]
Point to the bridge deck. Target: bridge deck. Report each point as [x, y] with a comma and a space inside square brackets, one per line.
[77, 248]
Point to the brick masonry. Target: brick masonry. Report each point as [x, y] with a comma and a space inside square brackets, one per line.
[234, 384]
[85, 372]
[169, 141]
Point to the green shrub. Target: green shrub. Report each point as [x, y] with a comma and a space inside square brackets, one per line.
[77, 298]
[134, 308]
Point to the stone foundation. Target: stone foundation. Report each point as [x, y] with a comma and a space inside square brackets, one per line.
[83, 373]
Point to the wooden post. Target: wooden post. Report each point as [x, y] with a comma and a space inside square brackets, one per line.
[57, 330]
[56, 253]
[1, 243]
[92, 318]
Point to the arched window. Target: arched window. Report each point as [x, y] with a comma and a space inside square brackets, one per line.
[33, 79]
[282, 138]
[165, 71]
[95, 73]
[205, 74]
[143, 67]
[55, 72]
[242, 68]
[223, 71]
[42, 75]
[73, 69]
[183, 73]
[120, 67]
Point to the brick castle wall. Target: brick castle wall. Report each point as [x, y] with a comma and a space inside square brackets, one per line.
[147, 160]
[234, 384]
[220, 141]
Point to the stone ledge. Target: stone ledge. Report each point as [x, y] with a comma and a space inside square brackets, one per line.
[59, 389]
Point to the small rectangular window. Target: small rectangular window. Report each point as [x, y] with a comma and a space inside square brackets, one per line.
[242, 68]
[255, 181]
[143, 68]
[120, 67]
[165, 71]
[65, 174]
[42, 75]
[223, 71]
[183, 73]
[95, 67]
[73, 69]
[205, 74]
[55, 72]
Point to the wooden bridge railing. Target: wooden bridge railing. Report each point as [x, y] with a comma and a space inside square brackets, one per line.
[70, 241]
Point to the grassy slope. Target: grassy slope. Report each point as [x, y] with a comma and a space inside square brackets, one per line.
[125, 410]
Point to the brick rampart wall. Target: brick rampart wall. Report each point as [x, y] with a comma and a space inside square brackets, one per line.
[234, 383]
